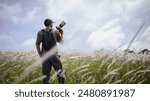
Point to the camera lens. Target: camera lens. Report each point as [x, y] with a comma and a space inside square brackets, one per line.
[62, 24]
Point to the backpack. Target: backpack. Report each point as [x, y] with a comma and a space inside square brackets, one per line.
[48, 40]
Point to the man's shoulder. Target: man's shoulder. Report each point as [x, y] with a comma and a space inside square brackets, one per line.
[55, 31]
[40, 32]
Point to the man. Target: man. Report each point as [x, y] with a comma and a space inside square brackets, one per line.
[49, 38]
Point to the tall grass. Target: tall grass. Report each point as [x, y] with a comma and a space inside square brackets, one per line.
[98, 67]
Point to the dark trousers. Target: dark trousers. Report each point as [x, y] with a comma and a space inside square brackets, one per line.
[46, 69]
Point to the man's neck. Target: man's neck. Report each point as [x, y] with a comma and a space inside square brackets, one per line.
[48, 28]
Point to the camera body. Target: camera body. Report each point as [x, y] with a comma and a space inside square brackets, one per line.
[59, 28]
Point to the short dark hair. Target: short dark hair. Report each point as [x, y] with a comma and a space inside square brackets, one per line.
[47, 22]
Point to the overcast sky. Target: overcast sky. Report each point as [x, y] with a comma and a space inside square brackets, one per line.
[91, 24]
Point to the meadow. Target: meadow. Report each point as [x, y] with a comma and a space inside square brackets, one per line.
[96, 67]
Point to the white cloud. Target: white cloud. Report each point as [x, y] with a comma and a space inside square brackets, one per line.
[57, 8]
[146, 35]
[106, 39]
[29, 43]
[143, 40]
[28, 17]
[16, 13]
[8, 10]
[112, 23]
[86, 16]
[5, 38]
[110, 34]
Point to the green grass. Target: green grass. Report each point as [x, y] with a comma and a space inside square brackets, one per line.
[79, 68]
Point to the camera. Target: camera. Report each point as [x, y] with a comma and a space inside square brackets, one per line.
[63, 23]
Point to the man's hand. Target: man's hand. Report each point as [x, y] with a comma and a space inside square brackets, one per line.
[61, 31]
[40, 54]
[38, 50]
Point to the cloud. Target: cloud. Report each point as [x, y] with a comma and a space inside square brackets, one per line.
[106, 39]
[5, 38]
[16, 13]
[143, 40]
[110, 24]
[146, 35]
[6, 41]
[56, 9]
[29, 43]
[109, 36]
[28, 17]
[8, 10]
[115, 29]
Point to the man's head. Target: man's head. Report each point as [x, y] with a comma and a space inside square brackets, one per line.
[48, 23]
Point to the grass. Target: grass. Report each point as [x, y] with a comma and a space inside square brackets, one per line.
[99, 67]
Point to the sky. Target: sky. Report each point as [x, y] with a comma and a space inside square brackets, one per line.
[91, 24]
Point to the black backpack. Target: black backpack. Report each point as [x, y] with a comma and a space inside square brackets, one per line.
[48, 40]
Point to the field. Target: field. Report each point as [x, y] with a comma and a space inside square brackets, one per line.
[97, 67]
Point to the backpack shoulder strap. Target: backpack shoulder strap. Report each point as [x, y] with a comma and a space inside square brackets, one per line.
[43, 31]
